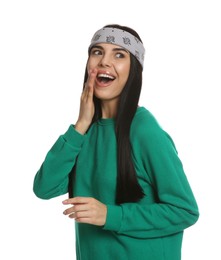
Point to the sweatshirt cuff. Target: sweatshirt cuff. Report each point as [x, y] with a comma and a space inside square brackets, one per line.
[114, 218]
[73, 137]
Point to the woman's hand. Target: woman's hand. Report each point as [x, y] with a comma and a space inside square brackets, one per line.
[86, 210]
[87, 105]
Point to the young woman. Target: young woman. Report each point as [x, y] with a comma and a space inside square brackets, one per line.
[128, 192]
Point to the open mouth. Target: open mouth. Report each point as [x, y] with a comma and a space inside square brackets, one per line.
[105, 78]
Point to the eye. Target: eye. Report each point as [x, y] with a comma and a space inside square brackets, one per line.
[96, 52]
[120, 55]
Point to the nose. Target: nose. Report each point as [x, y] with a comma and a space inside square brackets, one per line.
[105, 61]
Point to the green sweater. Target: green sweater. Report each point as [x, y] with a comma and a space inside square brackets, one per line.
[151, 229]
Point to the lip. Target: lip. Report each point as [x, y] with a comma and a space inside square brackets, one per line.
[105, 72]
[103, 84]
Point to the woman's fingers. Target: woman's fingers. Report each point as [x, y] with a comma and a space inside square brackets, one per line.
[87, 109]
[75, 208]
[86, 210]
[91, 78]
[89, 85]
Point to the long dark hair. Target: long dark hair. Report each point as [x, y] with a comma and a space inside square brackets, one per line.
[128, 189]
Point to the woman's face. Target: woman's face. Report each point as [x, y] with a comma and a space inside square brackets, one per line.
[112, 63]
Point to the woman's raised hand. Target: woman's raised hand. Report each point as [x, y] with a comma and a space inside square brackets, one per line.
[87, 105]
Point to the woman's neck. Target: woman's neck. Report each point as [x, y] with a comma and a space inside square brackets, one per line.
[109, 108]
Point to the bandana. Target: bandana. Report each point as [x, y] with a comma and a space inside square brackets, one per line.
[121, 38]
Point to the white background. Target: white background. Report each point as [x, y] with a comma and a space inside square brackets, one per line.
[43, 51]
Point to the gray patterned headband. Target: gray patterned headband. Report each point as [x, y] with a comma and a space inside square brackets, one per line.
[121, 38]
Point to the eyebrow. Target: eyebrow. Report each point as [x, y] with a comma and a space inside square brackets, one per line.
[115, 49]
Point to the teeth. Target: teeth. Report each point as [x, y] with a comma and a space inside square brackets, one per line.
[105, 76]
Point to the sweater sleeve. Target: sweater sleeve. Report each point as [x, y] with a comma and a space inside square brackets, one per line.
[174, 207]
[52, 178]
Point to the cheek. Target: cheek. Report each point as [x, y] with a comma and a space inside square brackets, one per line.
[123, 67]
[124, 71]
[91, 64]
